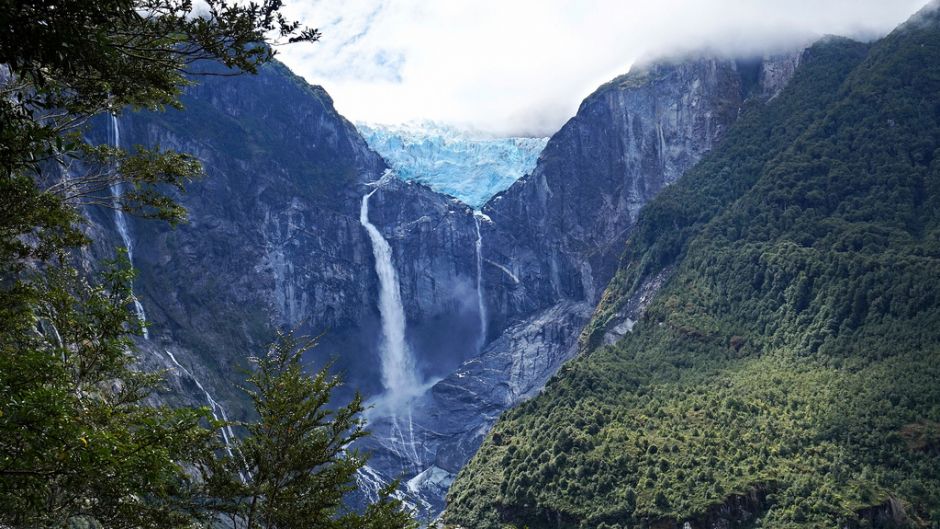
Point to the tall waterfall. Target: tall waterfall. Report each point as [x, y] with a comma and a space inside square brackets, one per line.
[398, 368]
[218, 412]
[481, 303]
[121, 222]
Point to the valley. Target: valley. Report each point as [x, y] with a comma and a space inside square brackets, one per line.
[708, 300]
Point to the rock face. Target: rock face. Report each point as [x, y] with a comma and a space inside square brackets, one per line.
[565, 223]
[551, 242]
[275, 240]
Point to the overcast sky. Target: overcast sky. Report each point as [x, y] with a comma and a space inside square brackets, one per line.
[521, 67]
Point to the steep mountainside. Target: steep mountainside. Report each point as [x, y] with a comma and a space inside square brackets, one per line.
[548, 246]
[275, 239]
[630, 139]
[299, 225]
[784, 374]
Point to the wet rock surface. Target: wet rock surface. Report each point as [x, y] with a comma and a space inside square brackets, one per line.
[275, 241]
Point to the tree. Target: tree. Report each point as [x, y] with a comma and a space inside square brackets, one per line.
[79, 446]
[294, 467]
[65, 61]
[77, 442]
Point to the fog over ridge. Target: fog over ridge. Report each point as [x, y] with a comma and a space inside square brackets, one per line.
[521, 68]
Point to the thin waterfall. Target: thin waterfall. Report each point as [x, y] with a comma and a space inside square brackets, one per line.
[215, 408]
[121, 222]
[399, 377]
[370, 483]
[481, 303]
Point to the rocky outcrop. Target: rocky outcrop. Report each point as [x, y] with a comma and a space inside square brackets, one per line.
[275, 239]
[553, 239]
[776, 72]
[443, 428]
[635, 307]
[738, 510]
[887, 515]
[564, 225]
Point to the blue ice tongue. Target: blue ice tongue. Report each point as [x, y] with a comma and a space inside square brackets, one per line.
[470, 167]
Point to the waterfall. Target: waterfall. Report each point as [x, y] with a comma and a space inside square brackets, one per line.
[481, 304]
[370, 483]
[121, 222]
[398, 370]
[214, 407]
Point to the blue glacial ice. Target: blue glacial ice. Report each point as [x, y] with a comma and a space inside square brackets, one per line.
[471, 167]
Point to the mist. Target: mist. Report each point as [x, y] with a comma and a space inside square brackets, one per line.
[522, 68]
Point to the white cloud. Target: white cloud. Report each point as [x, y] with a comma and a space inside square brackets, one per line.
[523, 66]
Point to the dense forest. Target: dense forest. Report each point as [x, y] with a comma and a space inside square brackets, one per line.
[786, 374]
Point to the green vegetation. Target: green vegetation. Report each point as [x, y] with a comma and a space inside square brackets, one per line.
[293, 469]
[785, 375]
[81, 442]
[76, 441]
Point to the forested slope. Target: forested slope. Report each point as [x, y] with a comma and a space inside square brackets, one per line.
[786, 374]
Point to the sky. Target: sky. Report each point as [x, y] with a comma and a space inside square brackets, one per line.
[522, 67]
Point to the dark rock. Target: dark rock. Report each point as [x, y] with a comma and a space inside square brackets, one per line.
[275, 240]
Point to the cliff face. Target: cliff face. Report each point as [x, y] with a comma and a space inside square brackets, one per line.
[564, 225]
[433, 241]
[551, 242]
[276, 239]
[561, 229]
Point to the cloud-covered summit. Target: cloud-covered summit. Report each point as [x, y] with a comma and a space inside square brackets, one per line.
[521, 67]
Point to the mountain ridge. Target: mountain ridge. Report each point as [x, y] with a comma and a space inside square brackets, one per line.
[772, 378]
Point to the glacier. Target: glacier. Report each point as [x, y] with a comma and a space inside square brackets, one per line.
[469, 166]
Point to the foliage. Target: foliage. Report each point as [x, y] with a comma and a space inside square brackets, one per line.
[77, 441]
[786, 372]
[81, 442]
[66, 61]
[293, 468]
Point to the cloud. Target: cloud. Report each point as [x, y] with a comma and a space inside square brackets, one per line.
[522, 66]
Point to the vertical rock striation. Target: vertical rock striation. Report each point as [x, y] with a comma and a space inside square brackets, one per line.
[553, 239]
[283, 233]
[274, 239]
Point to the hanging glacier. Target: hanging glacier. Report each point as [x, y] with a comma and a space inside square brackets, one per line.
[469, 166]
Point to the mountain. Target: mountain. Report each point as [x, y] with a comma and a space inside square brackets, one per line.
[275, 240]
[765, 354]
[489, 304]
[470, 167]
[297, 225]
[550, 243]
[442, 316]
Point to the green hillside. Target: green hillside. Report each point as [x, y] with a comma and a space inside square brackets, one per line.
[788, 373]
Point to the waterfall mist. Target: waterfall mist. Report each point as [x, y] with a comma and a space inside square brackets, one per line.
[399, 377]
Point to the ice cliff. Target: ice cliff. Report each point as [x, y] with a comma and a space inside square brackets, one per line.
[471, 167]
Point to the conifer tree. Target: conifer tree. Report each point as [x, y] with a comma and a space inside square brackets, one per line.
[294, 466]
